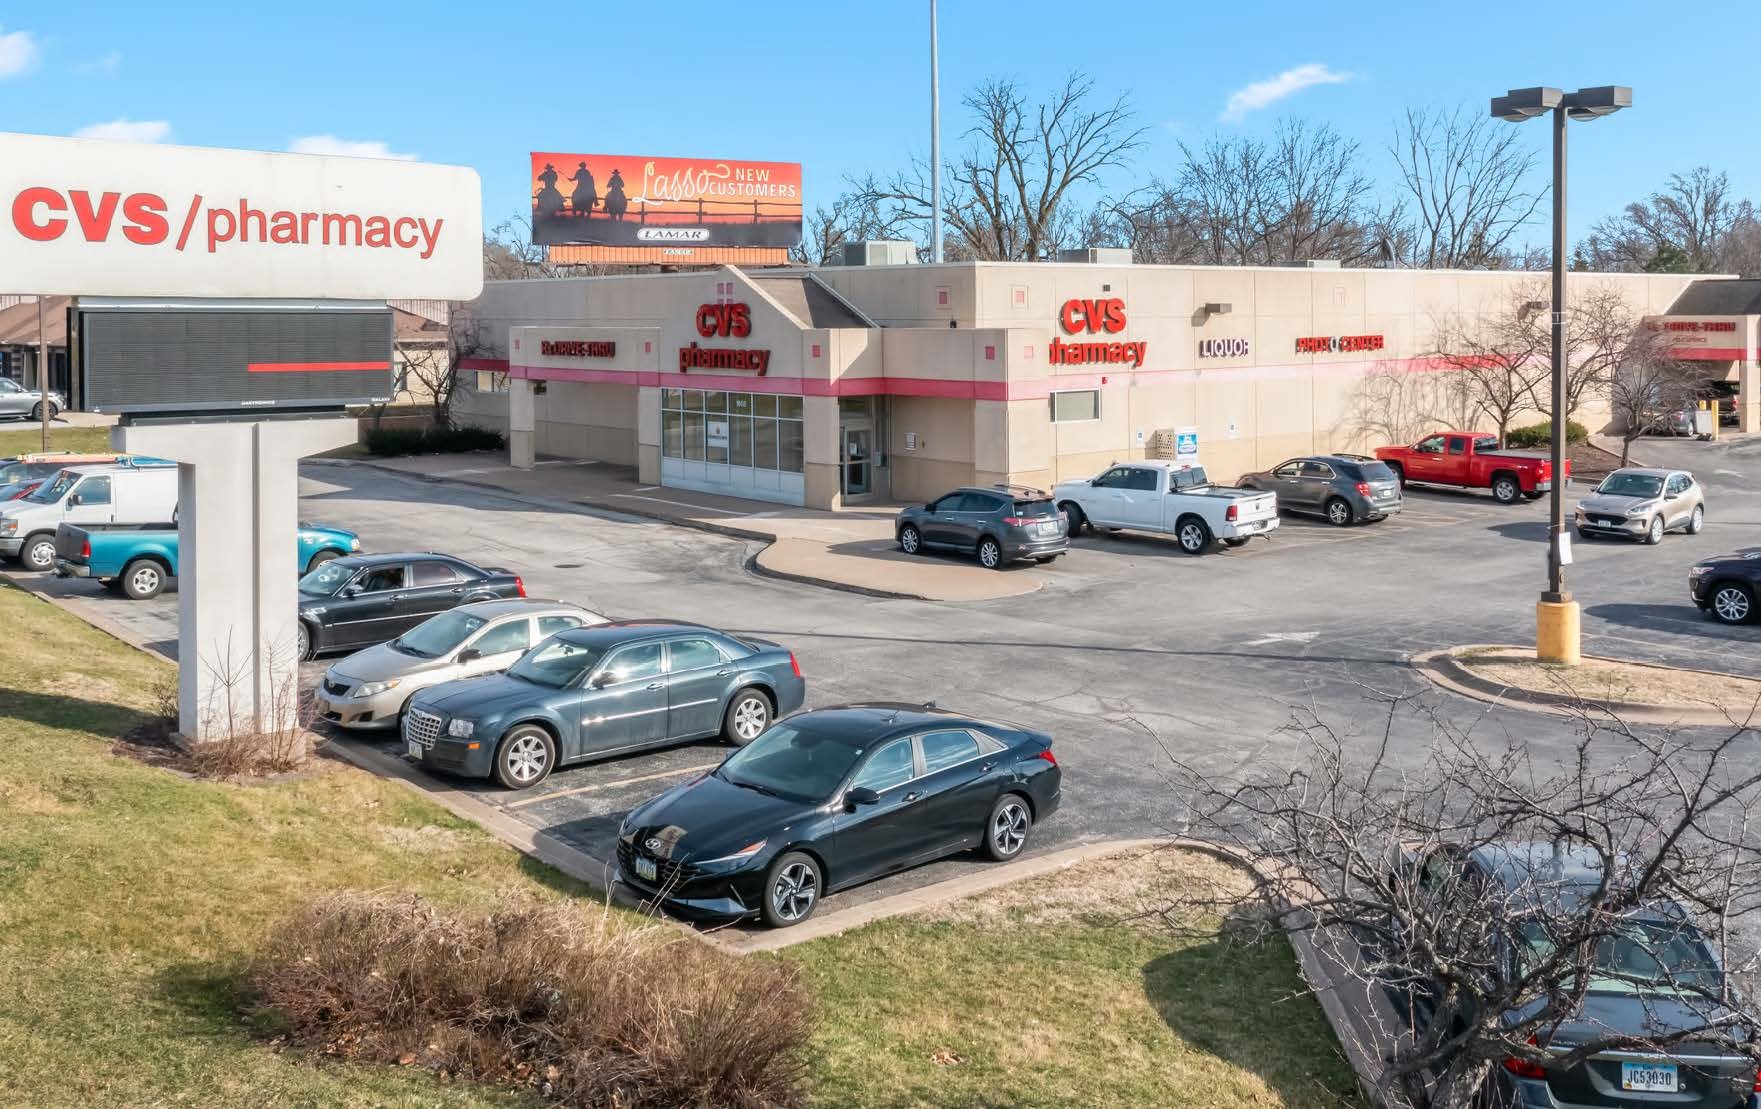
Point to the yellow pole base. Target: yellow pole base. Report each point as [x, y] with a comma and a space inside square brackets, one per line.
[1556, 632]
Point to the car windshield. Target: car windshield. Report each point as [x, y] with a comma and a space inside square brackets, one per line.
[1643, 957]
[438, 636]
[789, 762]
[51, 492]
[14, 472]
[1631, 485]
[1190, 477]
[327, 579]
[556, 663]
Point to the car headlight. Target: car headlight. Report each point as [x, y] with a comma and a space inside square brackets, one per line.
[8, 526]
[738, 858]
[1638, 511]
[461, 729]
[354, 544]
[372, 688]
[1699, 571]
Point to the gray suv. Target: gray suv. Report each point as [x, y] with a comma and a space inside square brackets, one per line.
[1344, 489]
[996, 524]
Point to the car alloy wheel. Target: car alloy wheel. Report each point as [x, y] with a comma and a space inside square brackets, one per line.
[792, 892]
[1732, 604]
[1697, 520]
[909, 540]
[1506, 491]
[748, 717]
[1009, 825]
[1193, 537]
[990, 555]
[525, 758]
[303, 644]
[1654, 533]
[1338, 512]
[40, 555]
[144, 580]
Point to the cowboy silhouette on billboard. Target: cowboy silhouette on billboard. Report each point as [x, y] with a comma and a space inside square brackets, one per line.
[616, 203]
[550, 200]
[585, 195]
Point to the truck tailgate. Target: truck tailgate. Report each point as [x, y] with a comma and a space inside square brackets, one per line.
[70, 543]
[1259, 506]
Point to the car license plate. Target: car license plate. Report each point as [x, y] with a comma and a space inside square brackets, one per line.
[1543, 486]
[1048, 527]
[414, 749]
[645, 870]
[1650, 1077]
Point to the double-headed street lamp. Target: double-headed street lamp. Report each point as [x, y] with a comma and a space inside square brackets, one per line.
[1556, 616]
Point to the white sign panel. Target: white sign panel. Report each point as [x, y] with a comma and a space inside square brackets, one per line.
[83, 217]
[1185, 444]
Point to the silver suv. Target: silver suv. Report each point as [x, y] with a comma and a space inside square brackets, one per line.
[1642, 504]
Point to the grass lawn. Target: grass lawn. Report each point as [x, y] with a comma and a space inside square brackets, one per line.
[27, 438]
[131, 897]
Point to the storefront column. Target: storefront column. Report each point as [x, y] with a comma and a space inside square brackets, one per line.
[522, 444]
[990, 442]
[822, 469]
[1748, 396]
[648, 435]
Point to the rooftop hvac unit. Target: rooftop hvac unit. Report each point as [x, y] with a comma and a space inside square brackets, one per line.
[880, 252]
[1099, 255]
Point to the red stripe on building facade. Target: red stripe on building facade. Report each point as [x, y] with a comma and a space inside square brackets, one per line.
[314, 367]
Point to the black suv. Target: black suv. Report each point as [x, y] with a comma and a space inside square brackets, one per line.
[1726, 586]
[998, 524]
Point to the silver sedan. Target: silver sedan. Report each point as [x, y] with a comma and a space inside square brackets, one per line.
[1640, 503]
[16, 400]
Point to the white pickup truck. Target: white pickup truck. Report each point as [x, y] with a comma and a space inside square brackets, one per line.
[1173, 499]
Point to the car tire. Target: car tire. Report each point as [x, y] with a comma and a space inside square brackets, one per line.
[1193, 534]
[524, 757]
[1237, 541]
[321, 558]
[990, 553]
[747, 717]
[1339, 512]
[1653, 532]
[143, 579]
[792, 887]
[1073, 513]
[1399, 474]
[38, 553]
[1697, 522]
[37, 412]
[1506, 489]
[303, 643]
[1007, 827]
[910, 540]
[1732, 602]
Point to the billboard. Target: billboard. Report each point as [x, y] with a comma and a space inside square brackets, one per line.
[87, 217]
[622, 200]
[169, 358]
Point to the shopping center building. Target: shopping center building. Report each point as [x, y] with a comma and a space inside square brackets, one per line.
[833, 385]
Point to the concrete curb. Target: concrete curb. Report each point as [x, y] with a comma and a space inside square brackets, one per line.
[1445, 670]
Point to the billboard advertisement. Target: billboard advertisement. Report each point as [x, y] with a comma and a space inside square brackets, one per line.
[85, 217]
[169, 358]
[642, 201]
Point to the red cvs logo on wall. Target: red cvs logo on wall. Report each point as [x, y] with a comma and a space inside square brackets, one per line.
[1093, 316]
[726, 321]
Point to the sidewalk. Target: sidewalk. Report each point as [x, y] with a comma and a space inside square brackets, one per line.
[851, 549]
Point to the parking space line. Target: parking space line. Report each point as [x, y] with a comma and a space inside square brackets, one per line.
[525, 801]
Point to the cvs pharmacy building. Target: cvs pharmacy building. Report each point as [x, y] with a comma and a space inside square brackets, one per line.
[840, 384]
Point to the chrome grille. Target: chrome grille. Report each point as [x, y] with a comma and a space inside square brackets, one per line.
[421, 727]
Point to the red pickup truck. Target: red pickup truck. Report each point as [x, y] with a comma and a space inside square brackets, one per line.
[1473, 461]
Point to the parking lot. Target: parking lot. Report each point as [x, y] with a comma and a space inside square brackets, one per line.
[1132, 655]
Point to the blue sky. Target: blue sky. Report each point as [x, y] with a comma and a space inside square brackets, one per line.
[842, 88]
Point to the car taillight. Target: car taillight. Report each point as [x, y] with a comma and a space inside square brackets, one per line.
[1047, 756]
[1016, 521]
[85, 549]
[519, 585]
[794, 664]
[1363, 488]
[1523, 1068]
[1231, 512]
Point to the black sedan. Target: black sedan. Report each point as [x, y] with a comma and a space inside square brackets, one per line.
[361, 600]
[831, 798]
[1726, 586]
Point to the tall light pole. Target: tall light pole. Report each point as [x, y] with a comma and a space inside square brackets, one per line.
[935, 143]
[1557, 637]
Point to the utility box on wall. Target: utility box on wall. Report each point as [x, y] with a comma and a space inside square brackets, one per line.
[170, 356]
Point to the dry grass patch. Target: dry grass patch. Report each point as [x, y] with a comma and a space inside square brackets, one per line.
[537, 995]
[1603, 679]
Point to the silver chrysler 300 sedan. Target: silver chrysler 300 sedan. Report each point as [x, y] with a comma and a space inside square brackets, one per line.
[370, 688]
[1642, 504]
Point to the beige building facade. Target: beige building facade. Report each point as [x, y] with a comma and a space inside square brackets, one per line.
[835, 385]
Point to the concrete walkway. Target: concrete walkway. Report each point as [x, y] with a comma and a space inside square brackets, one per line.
[852, 549]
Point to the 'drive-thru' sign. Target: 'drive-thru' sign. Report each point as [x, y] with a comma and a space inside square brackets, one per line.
[85, 217]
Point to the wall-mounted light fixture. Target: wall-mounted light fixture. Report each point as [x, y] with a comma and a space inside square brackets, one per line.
[1213, 308]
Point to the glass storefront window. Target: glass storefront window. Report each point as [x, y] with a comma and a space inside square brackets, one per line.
[789, 446]
[715, 402]
[671, 398]
[764, 404]
[740, 404]
[694, 436]
[789, 408]
[693, 400]
[740, 439]
[764, 444]
[715, 425]
[671, 430]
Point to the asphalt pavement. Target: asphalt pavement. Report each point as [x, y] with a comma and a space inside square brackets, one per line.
[1132, 655]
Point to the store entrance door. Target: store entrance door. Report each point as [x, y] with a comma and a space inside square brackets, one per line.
[858, 476]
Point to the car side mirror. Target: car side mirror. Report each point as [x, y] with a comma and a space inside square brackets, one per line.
[351, 590]
[600, 680]
[73, 501]
[470, 654]
[860, 795]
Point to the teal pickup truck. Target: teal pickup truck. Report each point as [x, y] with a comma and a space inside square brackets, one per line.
[138, 559]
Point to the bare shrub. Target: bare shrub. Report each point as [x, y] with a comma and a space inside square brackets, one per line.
[537, 996]
[238, 741]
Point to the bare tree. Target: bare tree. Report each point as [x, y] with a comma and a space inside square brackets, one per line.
[855, 215]
[1648, 385]
[1006, 195]
[1687, 227]
[431, 375]
[1466, 901]
[1467, 189]
[509, 252]
[1601, 330]
[1396, 405]
[1502, 355]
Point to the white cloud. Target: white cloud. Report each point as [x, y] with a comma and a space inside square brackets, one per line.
[109, 63]
[1261, 94]
[350, 148]
[18, 52]
[127, 130]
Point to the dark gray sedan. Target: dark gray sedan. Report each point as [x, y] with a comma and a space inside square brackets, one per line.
[610, 689]
[1344, 489]
[996, 525]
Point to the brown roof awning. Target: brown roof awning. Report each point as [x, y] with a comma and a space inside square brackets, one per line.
[1730, 296]
[18, 324]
